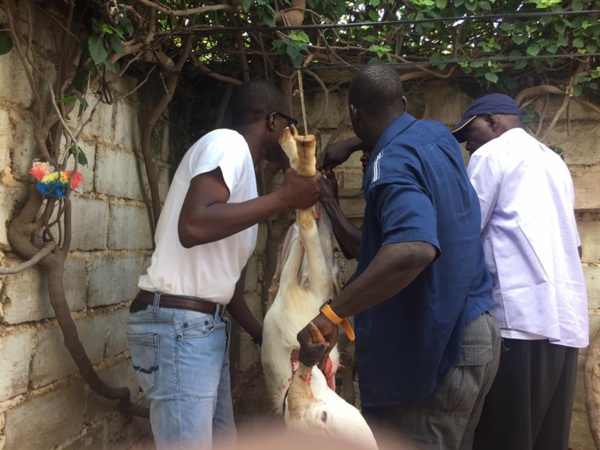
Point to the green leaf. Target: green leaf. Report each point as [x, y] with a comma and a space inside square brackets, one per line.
[6, 43]
[441, 4]
[591, 48]
[533, 49]
[81, 158]
[560, 27]
[470, 6]
[80, 80]
[374, 16]
[82, 101]
[280, 46]
[97, 49]
[375, 3]
[578, 43]
[67, 99]
[576, 91]
[126, 22]
[562, 41]
[111, 66]
[506, 26]
[116, 44]
[520, 39]
[485, 5]
[577, 5]
[491, 77]
[520, 64]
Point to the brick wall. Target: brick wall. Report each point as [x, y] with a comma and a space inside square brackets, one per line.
[44, 403]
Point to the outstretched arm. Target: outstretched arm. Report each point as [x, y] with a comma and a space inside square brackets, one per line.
[348, 236]
[339, 152]
[395, 266]
[207, 217]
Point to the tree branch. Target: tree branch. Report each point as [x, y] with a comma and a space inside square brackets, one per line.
[46, 250]
[188, 12]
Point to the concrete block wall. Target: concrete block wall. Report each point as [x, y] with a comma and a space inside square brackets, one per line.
[580, 140]
[44, 403]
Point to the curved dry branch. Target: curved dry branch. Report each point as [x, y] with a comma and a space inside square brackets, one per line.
[426, 73]
[317, 121]
[188, 12]
[45, 251]
[537, 90]
[210, 73]
[559, 113]
[151, 121]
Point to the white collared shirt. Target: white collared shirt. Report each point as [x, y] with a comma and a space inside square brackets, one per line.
[530, 238]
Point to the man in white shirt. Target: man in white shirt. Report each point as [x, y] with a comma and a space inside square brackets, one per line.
[532, 251]
[207, 231]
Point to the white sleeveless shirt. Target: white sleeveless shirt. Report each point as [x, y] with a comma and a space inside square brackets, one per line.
[209, 271]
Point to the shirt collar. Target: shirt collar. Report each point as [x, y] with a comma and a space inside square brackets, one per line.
[398, 126]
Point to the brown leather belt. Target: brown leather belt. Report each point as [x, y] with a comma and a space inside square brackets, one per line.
[144, 298]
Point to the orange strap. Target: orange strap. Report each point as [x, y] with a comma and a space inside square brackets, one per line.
[337, 320]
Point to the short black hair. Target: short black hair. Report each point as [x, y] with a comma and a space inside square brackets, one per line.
[377, 89]
[254, 100]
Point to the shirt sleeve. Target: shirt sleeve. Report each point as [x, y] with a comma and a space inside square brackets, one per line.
[224, 153]
[485, 176]
[405, 212]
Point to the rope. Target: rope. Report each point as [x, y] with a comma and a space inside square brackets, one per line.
[301, 87]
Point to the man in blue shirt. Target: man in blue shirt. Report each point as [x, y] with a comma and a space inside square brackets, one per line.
[427, 347]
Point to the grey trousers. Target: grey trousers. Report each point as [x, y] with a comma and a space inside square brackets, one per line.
[446, 420]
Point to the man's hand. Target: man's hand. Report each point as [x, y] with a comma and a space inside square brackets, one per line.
[339, 152]
[312, 352]
[299, 192]
[328, 187]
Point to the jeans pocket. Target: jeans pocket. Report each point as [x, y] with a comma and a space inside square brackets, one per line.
[199, 327]
[144, 356]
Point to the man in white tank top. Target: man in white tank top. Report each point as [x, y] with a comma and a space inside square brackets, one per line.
[206, 233]
[530, 239]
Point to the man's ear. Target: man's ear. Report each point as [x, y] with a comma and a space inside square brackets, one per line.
[354, 112]
[404, 102]
[271, 121]
[492, 121]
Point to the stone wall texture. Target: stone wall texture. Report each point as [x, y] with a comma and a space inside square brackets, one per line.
[44, 403]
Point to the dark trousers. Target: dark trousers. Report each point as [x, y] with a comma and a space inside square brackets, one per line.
[530, 403]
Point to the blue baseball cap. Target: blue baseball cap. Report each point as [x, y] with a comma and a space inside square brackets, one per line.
[488, 104]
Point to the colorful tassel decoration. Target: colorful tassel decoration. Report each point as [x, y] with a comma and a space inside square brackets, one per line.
[51, 182]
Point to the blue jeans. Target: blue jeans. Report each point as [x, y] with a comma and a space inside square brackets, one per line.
[181, 361]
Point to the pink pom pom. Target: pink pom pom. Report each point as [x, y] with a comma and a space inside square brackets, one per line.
[77, 178]
[40, 170]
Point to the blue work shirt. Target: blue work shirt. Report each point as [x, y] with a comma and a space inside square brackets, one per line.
[417, 189]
